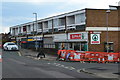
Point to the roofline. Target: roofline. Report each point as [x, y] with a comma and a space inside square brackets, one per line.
[61, 15]
[114, 6]
[96, 9]
[50, 17]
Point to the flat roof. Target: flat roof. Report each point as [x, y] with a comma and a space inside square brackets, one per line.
[59, 15]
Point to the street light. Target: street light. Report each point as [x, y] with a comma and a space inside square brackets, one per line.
[107, 13]
[36, 45]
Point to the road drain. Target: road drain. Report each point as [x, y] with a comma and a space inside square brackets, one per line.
[117, 73]
[100, 69]
[83, 70]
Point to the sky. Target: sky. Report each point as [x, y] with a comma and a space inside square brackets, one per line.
[16, 12]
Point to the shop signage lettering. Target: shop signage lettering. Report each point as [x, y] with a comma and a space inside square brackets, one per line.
[95, 38]
[75, 36]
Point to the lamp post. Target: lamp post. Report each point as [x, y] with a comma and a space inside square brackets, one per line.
[107, 46]
[36, 45]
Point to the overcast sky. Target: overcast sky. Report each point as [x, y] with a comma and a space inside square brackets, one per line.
[15, 12]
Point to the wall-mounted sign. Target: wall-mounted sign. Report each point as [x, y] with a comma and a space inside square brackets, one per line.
[95, 38]
[73, 36]
[30, 40]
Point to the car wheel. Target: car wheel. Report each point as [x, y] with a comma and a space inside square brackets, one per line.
[7, 49]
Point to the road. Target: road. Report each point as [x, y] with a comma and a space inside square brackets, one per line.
[16, 66]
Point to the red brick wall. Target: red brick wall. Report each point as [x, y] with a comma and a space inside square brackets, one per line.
[113, 37]
[97, 18]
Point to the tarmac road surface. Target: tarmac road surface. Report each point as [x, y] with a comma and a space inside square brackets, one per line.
[16, 66]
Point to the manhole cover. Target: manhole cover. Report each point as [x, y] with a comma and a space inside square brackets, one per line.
[101, 69]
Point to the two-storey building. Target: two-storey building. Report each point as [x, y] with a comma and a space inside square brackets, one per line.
[83, 30]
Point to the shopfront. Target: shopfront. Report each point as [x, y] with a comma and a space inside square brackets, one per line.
[72, 41]
[31, 42]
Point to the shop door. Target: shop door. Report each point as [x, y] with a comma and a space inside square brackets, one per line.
[84, 46]
[71, 47]
[77, 46]
[109, 47]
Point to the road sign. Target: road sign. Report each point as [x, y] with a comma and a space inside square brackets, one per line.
[95, 38]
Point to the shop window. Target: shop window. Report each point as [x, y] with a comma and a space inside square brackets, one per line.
[77, 46]
[70, 45]
[84, 46]
[110, 47]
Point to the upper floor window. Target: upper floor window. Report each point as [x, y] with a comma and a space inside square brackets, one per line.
[19, 29]
[29, 29]
[80, 18]
[50, 24]
[70, 20]
[62, 21]
[45, 24]
[55, 22]
[24, 28]
[40, 25]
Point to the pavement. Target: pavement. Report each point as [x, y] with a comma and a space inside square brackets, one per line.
[33, 54]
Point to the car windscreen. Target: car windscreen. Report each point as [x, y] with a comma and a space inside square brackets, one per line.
[11, 43]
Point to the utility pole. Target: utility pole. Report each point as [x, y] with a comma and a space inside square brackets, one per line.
[107, 36]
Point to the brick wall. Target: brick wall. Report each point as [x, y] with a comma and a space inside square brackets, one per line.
[113, 37]
[97, 18]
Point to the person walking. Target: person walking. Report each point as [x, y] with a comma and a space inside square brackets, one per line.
[40, 55]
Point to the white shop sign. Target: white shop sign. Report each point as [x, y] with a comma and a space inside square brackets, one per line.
[95, 38]
[80, 36]
[60, 37]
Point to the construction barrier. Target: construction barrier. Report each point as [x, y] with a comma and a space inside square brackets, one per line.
[88, 56]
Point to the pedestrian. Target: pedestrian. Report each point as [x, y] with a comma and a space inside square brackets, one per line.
[58, 57]
[67, 58]
[41, 54]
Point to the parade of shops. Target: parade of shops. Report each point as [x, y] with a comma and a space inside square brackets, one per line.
[82, 30]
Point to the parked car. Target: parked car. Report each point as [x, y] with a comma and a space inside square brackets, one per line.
[10, 46]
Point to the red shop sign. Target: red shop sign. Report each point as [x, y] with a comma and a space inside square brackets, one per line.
[75, 36]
